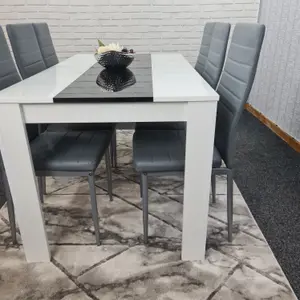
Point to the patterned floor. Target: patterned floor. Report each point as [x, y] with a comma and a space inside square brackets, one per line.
[122, 268]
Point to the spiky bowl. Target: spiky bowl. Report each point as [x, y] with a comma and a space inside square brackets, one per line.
[114, 59]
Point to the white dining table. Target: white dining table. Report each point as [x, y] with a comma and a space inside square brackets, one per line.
[179, 93]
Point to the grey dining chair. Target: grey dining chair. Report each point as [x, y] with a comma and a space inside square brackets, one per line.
[61, 153]
[34, 52]
[45, 42]
[26, 49]
[162, 151]
[204, 48]
[48, 52]
[216, 54]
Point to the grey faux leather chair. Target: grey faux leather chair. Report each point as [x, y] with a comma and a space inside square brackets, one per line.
[34, 52]
[45, 42]
[26, 49]
[204, 48]
[161, 151]
[216, 54]
[62, 153]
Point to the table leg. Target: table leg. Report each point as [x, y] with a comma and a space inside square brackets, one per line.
[17, 161]
[201, 118]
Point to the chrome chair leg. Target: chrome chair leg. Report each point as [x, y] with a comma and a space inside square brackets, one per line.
[113, 153]
[109, 174]
[10, 210]
[213, 187]
[141, 186]
[230, 204]
[44, 185]
[41, 188]
[95, 215]
[144, 182]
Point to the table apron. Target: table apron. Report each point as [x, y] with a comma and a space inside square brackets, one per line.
[105, 113]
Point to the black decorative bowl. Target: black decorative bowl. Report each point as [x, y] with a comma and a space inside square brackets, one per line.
[115, 80]
[114, 59]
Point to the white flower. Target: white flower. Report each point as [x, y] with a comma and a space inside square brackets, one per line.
[110, 47]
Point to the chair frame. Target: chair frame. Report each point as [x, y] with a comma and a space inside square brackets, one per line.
[41, 183]
[215, 171]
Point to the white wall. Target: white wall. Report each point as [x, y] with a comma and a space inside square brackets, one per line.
[145, 25]
[276, 90]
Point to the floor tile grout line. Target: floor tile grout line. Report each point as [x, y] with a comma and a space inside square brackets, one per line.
[74, 279]
[240, 230]
[103, 261]
[244, 263]
[151, 214]
[212, 294]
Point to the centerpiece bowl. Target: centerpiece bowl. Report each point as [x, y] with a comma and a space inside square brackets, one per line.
[114, 59]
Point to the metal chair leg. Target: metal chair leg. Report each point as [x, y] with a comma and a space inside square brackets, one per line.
[10, 210]
[41, 188]
[44, 185]
[95, 216]
[141, 187]
[230, 204]
[109, 174]
[144, 181]
[213, 187]
[113, 146]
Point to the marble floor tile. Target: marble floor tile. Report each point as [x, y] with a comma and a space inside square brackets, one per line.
[76, 296]
[20, 280]
[68, 219]
[122, 267]
[227, 294]
[55, 183]
[77, 259]
[252, 285]
[79, 188]
[256, 253]
[158, 279]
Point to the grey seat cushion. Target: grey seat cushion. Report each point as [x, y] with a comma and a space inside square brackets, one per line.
[26, 49]
[81, 127]
[160, 125]
[75, 151]
[46, 45]
[162, 151]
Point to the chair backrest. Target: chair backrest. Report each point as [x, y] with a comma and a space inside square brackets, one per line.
[26, 49]
[8, 71]
[216, 54]
[235, 85]
[9, 76]
[45, 43]
[205, 44]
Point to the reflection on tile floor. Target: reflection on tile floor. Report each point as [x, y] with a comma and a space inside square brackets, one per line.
[122, 267]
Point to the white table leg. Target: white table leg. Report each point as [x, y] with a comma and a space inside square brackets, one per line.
[198, 166]
[17, 160]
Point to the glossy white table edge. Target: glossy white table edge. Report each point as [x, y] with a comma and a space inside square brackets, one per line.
[173, 78]
[200, 117]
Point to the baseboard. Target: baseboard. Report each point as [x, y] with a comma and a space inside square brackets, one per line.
[293, 143]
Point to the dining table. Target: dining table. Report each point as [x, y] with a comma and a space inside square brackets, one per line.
[156, 87]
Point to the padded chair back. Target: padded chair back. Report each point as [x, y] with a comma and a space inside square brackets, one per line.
[8, 71]
[26, 49]
[9, 76]
[235, 85]
[205, 44]
[45, 43]
[216, 54]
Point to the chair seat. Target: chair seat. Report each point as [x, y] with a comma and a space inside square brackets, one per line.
[162, 151]
[81, 127]
[71, 151]
[161, 126]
